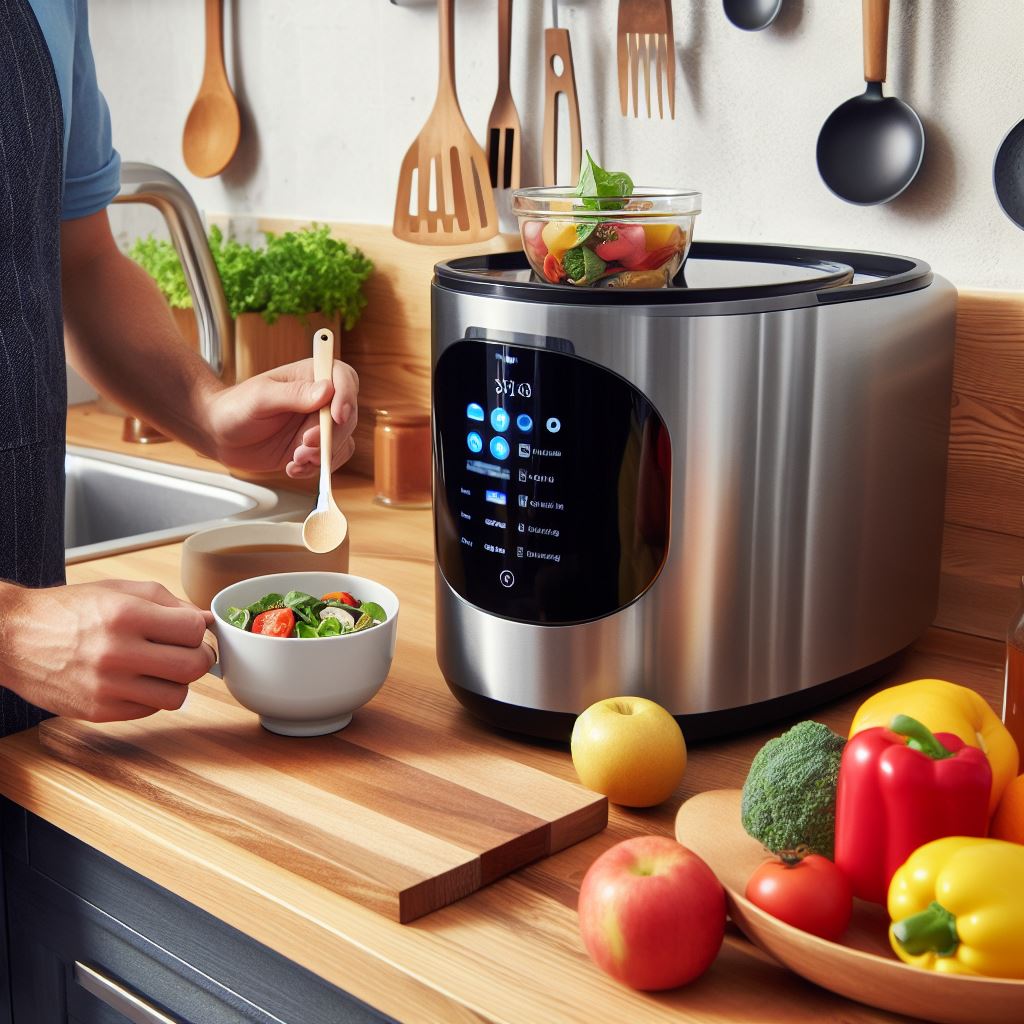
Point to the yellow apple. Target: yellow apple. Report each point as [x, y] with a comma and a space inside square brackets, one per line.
[629, 748]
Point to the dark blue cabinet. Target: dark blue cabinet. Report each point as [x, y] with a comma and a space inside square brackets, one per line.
[90, 942]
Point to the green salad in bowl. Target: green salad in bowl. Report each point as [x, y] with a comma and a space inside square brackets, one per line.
[605, 231]
[302, 616]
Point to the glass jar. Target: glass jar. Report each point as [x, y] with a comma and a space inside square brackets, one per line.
[402, 465]
[1013, 695]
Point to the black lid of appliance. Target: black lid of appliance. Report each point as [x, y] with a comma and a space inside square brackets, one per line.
[714, 272]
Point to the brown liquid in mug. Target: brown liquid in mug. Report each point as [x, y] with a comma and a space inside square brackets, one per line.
[259, 549]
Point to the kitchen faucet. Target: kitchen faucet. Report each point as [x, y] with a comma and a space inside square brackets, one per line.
[144, 183]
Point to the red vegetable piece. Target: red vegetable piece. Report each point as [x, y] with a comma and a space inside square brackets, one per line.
[341, 595]
[553, 269]
[276, 622]
[812, 895]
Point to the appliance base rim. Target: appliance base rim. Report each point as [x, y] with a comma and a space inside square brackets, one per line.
[706, 725]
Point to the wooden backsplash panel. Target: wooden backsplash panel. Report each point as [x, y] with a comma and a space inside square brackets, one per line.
[983, 555]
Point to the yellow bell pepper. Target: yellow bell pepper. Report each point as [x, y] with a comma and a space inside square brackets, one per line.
[957, 905]
[947, 707]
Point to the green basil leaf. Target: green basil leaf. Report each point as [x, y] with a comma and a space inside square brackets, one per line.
[295, 598]
[240, 617]
[585, 229]
[583, 265]
[304, 632]
[595, 182]
[329, 627]
[372, 609]
[266, 603]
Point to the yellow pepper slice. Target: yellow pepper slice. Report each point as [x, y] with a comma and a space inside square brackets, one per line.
[956, 906]
[947, 707]
[559, 236]
[660, 236]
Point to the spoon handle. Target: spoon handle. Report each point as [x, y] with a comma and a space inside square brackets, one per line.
[876, 39]
[323, 369]
[214, 66]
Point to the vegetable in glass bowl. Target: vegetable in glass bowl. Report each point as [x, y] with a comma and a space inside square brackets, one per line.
[605, 232]
[300, 616]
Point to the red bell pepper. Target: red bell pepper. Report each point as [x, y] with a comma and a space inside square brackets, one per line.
[900, 788]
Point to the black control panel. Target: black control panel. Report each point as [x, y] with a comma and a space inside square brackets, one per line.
[552, 483]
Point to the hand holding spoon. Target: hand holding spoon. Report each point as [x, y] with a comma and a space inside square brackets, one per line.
[325, 527]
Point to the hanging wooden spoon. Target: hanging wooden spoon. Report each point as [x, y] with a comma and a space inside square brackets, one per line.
[325, 527]
[213, 127]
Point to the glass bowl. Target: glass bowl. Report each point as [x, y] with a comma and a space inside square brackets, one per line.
[637, 241]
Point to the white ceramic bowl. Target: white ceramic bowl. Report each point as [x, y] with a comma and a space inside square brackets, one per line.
[304, 687]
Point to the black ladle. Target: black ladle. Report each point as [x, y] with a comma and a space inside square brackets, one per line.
[871, 147]
[1008, 174]
[751, 15]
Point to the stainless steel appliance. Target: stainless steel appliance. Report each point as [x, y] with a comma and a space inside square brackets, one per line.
[725, 495]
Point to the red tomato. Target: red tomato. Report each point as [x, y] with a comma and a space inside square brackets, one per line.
[341, 595]
[553, 269]
[276, 622]
[812, 895]
[532, 238]
[630, 243]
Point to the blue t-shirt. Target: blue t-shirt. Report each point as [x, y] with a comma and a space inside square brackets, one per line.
[92, 167]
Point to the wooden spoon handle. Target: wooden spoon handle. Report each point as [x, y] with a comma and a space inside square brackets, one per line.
[557, 44]
[323, 369]
[214, 67]
[876, 39]
[446, 53]
[504, 40]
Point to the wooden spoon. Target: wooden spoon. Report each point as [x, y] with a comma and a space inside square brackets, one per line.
[213, 127]
[325, 527]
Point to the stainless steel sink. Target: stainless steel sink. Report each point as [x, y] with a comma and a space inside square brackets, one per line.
[117, 503]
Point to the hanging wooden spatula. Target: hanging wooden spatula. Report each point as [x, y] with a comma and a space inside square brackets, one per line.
[559, 80]
[444, 189]
[504, 131]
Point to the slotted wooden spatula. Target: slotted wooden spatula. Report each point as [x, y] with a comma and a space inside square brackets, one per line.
[444, 188]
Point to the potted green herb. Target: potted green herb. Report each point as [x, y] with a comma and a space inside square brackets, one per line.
[279, 294]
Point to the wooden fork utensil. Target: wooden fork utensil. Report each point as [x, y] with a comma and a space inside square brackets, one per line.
[645, 40]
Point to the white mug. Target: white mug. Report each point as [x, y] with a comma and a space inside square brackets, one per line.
[304, 687]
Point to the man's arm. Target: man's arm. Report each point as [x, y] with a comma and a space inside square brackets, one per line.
[121, 337]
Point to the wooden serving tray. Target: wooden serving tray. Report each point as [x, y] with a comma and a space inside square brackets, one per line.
[383, 813]
[862, 966]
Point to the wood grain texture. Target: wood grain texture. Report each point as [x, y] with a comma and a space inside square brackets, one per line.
[402, 838]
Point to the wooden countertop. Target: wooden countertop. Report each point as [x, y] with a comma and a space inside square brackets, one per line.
[508, 953]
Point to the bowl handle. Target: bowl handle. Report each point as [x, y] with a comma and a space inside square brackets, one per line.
[210, 640]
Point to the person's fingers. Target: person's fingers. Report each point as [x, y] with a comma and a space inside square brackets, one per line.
[273, 397]
[148, 591]
[121, 711]
[344, 404]
[182, 626]
[157, 694]
[161, 661]
[297, 472]
[304, 455]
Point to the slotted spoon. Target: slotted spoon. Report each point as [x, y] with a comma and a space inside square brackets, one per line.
[445, 169]
[645, 38]
[504, 130]
[325, 527]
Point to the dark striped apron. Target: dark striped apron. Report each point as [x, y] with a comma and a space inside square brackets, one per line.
[33, 387]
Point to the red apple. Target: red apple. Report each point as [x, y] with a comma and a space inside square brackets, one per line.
[652, 913]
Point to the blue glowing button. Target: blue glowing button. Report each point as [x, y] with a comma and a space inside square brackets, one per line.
[475, 412]
[475, 442]
[497, 497]
[524, 422]
[554, 424]
[499, 420]
[499, 447]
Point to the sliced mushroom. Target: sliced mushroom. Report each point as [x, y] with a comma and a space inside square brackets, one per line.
[346, 619]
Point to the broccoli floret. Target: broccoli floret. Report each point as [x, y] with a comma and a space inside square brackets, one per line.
[789, 798]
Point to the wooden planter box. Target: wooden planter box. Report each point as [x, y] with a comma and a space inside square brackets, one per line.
[260, 346]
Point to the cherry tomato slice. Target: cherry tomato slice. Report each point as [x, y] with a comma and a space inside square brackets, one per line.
[276, 622]
[812, 895]
[343, 596]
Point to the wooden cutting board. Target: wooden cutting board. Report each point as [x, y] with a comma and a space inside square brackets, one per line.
[384, 813]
